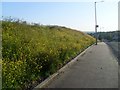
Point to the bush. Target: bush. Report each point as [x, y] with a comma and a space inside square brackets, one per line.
[33, 52]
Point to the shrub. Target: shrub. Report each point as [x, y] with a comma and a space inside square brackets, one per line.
[32, 52]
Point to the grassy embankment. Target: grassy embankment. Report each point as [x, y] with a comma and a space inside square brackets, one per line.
[31, 52]
[0, 57]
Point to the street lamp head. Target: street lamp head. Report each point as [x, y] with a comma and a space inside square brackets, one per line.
[99, 1]
[102, 1]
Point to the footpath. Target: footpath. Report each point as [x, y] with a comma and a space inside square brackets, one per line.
[96, 68]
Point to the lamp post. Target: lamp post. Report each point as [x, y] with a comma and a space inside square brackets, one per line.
[96, 26]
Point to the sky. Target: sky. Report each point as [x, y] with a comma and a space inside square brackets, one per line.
[75, 15]
[119, 15]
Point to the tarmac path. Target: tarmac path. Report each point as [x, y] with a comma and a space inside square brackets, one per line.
[96, 68]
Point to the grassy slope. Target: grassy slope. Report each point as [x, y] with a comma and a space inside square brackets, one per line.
[0, 57]
[34, 52]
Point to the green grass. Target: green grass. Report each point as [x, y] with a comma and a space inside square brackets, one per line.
[0, 58]
[32, 52]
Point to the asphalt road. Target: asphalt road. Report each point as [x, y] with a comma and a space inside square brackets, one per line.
[96, 68]
[114, 46]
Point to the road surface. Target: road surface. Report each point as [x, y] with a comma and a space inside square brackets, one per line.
[96, 68]
[114, 48]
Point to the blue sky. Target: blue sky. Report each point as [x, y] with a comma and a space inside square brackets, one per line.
[76, 15]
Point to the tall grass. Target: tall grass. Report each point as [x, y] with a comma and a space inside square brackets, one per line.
[32, 52]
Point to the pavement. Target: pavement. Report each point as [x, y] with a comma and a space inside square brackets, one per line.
[96, 68]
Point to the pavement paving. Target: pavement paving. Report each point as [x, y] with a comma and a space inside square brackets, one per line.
[96, 68]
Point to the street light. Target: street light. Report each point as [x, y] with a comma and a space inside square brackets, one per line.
[96, 26]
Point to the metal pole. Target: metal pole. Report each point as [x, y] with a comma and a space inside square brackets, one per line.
[95, 24]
